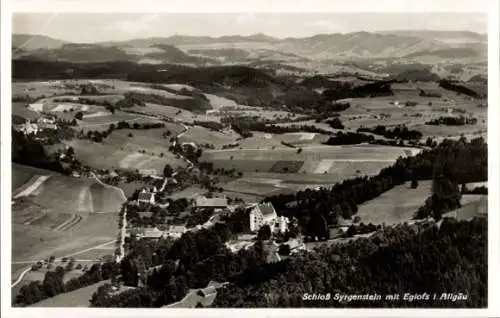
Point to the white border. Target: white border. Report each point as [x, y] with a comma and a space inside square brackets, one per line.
[222, 6]
[7, 6]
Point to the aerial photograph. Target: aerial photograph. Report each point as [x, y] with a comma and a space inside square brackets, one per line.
[249, 160]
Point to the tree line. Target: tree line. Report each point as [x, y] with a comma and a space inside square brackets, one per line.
[461, 89]
[245, 125]
[452, 121]
[399, 132]
[349, 138]
[99, 136]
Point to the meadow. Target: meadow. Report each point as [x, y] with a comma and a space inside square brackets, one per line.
[315, 158]
[63, 216]
[396, 205]
[121, 151]
[77, 298]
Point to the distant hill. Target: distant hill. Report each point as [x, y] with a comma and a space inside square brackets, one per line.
[357, 45]
[462, 52]
[29, 42]
[417, 75]
[171, 54]
[233, 54]
[187, 40]
[478, 79]
[444, 36]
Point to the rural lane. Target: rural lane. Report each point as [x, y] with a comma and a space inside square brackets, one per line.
[124, 222]
[109, 186]
[21, 276]
[26, 270]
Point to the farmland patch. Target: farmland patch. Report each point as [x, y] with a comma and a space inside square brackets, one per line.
[396, 205]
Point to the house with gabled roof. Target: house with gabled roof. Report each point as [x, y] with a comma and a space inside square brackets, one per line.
[146, 197]
[152, 233]
[216, 203]
[175, 231]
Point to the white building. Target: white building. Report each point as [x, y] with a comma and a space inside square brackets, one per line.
[264, 214]
[146, 197]
[175, 231]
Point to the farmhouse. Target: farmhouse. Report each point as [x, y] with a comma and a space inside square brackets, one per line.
[149, 233]
[216, 203]
[44, 120]
[175, 231]
[264, 214]
[27, 128]
[146, 197]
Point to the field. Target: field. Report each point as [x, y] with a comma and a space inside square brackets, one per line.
[367, 111]
[283, 170]
[396, 205]
[76, 298]
[21, 110]
[190, 192]
[121, 151]
[261, 140]
[316, 159]
[472, 206]
[61, 216]
[201, 135]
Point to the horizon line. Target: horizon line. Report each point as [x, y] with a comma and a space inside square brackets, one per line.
[253, 34]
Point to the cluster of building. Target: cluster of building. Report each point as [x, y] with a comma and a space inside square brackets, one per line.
[35, 126]
[172, 231]
[149, 195]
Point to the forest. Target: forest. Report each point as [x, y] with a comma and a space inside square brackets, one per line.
[426, 259]
[28, 151]
[396, 261]
[452, 86]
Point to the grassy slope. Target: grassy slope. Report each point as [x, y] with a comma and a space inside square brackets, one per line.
[76, 298]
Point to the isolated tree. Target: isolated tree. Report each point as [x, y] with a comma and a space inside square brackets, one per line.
[299, 150]
[79, 115]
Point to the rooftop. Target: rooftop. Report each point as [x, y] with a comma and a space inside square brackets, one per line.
[211, 202]
[145, 196]
[266, 208]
